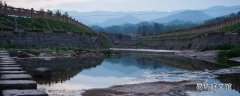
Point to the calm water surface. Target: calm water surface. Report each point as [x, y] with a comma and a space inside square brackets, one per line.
[71, 76]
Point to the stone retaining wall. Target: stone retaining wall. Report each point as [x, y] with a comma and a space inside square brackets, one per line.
[49, 40]
[208, 41]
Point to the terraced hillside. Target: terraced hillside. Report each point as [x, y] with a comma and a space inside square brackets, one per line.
[10, 23]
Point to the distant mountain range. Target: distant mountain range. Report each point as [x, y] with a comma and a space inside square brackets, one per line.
[104, 18]
[217, 11]
[187, 16]
[121, 21]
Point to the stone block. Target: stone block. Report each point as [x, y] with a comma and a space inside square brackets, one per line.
[24, 93]
[16, 77]
[13, 72]
[10, 68]
[11, 65]
[17, 84]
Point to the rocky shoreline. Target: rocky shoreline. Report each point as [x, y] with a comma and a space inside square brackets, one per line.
[146, 89]
[164, 88]
[160, 88]
[209, 56]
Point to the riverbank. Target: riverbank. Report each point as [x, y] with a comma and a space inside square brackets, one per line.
[209, 56]
[178, 88]
[146, 89]
[55, 53]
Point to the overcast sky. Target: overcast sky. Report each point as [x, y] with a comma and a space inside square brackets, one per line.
[121, 5]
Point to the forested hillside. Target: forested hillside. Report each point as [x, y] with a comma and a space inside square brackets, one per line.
[151, 28]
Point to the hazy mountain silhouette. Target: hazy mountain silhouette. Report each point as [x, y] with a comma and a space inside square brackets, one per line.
[217, 11]
[122, 20]
[187, 16]
[104, 17]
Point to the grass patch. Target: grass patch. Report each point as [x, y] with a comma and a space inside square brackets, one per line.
[224, 47]
[234, 28]
[51, 51]
[40, 25]
[226, 54]
[223, 57]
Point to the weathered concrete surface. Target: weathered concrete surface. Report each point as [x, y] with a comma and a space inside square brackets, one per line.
[24, 93]
[3, 53]
[11, 69]
[13, 72]
[17, 84]
[7, 63]
[12, 78]
[10, 65]
[16, 77]
[7, 58]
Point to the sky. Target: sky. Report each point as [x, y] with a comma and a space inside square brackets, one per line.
[121, 5]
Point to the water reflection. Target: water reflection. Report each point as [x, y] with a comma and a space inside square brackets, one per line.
[87, 73]
[62, 68]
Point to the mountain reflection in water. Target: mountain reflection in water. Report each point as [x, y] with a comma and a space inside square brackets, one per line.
[89, 73]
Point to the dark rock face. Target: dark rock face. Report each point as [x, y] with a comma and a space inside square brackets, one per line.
[48, 40]
[208, 41]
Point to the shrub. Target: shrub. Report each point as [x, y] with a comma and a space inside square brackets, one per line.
[224, 47]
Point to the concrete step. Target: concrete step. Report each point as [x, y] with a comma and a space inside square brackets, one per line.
[4, 56]
[7, 63]
[17, 84]
[10, 65]
[13, 72]
[3, 51]
[16, 77]
[7, 58]
[24, 93]
[11, 69]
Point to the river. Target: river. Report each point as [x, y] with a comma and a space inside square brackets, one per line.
[71, 76]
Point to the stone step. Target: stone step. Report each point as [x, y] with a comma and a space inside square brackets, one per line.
[11, 69]
[13, 72]
[7, 63]
[3, 51]
[24, 93]
[17, 84]
[16, 77]
[4, 55]
[10, 65]
[6, 58]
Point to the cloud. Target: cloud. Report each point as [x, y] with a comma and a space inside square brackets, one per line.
[122, 5]
[143, 5]
[37, 4]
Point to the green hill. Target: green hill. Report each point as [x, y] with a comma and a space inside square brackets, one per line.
[7, 23]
